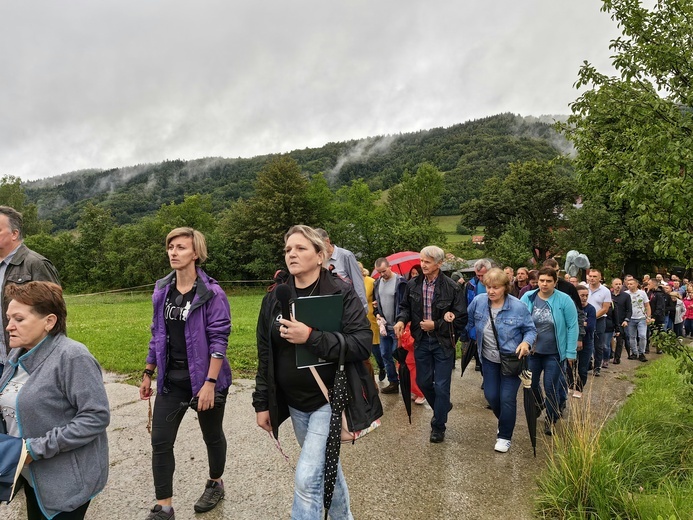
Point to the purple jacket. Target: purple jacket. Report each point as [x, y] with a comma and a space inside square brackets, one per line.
[206, 331]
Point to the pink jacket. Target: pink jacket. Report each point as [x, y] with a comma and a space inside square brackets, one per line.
[688, 302]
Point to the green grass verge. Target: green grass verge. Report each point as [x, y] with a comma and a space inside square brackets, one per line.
[116, 329]
[637, 465]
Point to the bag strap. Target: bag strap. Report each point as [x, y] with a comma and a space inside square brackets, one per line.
[342, 355]
[493, 326]
[320, 382]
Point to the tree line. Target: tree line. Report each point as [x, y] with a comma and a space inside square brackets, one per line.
[246, 238]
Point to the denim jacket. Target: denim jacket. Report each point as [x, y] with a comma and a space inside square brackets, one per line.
[513, 323]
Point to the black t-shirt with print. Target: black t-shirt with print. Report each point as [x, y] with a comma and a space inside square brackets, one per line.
[175, 315]
[298, 385]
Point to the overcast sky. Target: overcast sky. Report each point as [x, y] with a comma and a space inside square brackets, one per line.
[108, 83]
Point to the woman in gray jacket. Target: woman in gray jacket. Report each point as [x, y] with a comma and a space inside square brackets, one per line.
[52, 395]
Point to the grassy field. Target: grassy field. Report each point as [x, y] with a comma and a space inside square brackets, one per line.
[448, 223]
[116, 329]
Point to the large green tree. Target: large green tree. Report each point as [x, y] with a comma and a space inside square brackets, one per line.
[534, 196]
[634, 131]
[252, 231]
[12, 194]
[360, 224]
[411, 206]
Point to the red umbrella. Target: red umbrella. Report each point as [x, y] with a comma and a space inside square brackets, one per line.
[401, 262]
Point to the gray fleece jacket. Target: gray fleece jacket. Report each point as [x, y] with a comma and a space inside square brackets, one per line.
[62, 412]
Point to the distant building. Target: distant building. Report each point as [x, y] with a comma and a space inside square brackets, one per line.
[478, 240]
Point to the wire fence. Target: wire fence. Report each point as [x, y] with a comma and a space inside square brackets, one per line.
[138, 290]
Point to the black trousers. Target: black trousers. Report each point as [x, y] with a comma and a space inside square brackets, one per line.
[33, 511]
[166, 420]
[621, 341]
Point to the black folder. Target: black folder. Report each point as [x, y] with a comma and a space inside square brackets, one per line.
[322, 313]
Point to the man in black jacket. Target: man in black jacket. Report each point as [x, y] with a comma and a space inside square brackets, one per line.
[623, 310]
[435, 306]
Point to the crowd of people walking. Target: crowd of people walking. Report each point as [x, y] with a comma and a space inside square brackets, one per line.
[537, 323]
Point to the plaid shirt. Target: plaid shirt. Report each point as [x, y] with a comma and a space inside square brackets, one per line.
[428, 290]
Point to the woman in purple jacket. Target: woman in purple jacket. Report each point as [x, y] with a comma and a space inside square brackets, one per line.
[190, 332]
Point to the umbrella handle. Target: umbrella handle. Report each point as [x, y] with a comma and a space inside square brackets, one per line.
[342, 349]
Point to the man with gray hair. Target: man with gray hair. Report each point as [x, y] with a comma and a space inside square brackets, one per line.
[435, 306]
[476, 286]
[342, 262]
[18, 264]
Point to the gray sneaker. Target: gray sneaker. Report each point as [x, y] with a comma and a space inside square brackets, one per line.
[214, 492]
[157, 513]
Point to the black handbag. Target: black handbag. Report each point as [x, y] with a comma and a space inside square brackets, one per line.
[511, 365]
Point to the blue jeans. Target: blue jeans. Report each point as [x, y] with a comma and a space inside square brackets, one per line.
[433, 375]
[637, 335]
[311, 429]
[375, 348]
[501, 393]
[608, 336]
[668, 323]
[388, 344]
[551, 366]
[583, 362]
[687, 324]
[599, 339]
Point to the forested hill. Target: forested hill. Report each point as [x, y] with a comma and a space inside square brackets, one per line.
[467, 154]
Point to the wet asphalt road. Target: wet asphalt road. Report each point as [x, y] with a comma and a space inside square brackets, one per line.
[393, 473]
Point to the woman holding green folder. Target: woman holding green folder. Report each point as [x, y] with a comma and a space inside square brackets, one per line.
[283, 390]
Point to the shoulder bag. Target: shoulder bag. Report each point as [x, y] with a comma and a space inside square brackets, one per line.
[511, 365]
[371, 394]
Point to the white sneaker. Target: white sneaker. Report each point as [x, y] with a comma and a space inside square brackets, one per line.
[577, 395]
[502, 445]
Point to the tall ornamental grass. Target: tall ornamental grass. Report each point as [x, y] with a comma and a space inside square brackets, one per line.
[637, 465]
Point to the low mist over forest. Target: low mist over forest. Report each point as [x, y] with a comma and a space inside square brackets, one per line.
[467, 154]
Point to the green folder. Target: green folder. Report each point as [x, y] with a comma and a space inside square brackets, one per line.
[322, 313]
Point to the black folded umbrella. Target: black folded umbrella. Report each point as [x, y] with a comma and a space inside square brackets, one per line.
[400, 355]
[467, 355]
[531, 408]
[338, 402]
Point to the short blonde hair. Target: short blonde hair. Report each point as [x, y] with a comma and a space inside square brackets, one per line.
[198, 241]
[312, 235]
[496, 276]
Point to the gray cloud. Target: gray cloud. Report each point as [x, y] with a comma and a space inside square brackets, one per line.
[114, 83]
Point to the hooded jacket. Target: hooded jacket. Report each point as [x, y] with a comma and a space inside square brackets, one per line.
[363, 405]
[207, 331]
[658, 304]
[62, 412]
[565, 320]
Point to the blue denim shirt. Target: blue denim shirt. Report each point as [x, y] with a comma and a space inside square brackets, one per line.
[513, 323]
